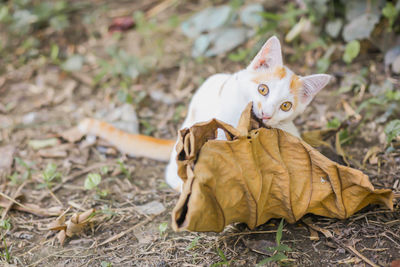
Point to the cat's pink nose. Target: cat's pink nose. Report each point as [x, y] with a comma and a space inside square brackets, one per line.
[265, 116]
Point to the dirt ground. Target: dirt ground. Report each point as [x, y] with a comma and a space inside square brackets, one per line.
[40, 101]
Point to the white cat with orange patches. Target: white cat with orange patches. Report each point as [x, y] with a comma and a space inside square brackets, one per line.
[278, 96]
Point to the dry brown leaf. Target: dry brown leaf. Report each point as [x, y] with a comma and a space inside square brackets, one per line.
[350, 111]
[317, 138]
[371, 155]
[6, 159]
[313, 235]
[54, 152]
[314, 227]
[340, 150]
[58, 224]
[15, 203]
[74, 226]
[261, 174]
[37, 210]
[72, 135]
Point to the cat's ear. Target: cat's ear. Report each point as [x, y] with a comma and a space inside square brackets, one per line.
[312, 84]
[269, 56]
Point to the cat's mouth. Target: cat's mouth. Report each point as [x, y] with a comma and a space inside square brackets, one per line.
[265, 120]
[260, 120]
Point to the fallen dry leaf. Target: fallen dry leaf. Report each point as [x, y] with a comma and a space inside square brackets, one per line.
[313, 235]
[72, 135]
[339, 149]
[316, 138]
[6, 160]
[59, 151]
[39, 144]
[259, 174]
[74, 226]
[372, 155]
[16, 203]
[350, 111]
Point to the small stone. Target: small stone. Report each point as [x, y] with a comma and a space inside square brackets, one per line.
[396, 65]
[151, 208]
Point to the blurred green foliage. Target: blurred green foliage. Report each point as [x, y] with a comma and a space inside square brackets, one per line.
[337, 31]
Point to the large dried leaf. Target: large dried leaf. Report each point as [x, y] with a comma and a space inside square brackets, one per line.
[259, 174]
[74, 226]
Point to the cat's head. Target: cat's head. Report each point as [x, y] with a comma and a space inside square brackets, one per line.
[277, 93]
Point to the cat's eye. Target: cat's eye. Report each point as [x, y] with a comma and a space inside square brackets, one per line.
[263, 89]
[286, 106]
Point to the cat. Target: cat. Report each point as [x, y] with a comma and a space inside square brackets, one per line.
[278, 96]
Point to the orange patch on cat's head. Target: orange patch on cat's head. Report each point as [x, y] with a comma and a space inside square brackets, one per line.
[261, 77]
[295, 86]
[259, 105]
[280, 72]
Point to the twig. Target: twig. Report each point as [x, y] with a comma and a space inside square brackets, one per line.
[248, 233]
[14, 201]
[117, 236]
[349, 248]
[46, 257]
[159, 8]
[5, 211]
[358, 254]
[55, 197]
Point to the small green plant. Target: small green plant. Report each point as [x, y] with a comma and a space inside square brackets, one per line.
[333, 123]
[162, 228]
[92, 181]
[179, 113]
[223, 257]
[5, 255]
[106, 264]
[390, 12]
[5, 224]
[19, 177]
[124, 169]
[54, 53]
[144, 26]
[120, 65]
[104, 170]
[392, 130]
[107, 211]
[240, 55]
[274, 20]
[148, 128]
[278, 251]
[50, 176]
[351, 51]
[193, 244]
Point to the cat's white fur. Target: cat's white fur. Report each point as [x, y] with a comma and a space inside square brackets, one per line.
[224, 97]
